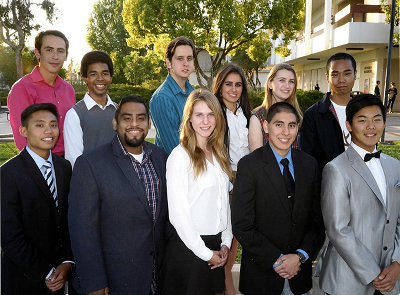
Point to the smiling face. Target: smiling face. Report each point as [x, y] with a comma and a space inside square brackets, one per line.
[231, 90]
[181, 64]
[367, 127]
[282, 85]
[203, 121]
[132, 126]
[341, 77]
[98, 80]
[282, 131]
[52, 55]
[41, 132]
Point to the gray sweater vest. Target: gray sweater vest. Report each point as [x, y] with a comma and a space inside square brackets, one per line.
[96, 124]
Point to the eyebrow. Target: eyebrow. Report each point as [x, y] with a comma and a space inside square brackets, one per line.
[101, 71]
[49, 47]
[348, 70]
[284, 122]
[364, 116]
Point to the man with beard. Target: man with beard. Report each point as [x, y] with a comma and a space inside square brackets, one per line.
[118, 208]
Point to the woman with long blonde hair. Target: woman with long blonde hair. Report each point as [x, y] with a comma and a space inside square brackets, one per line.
[198, 173]
[281, 85]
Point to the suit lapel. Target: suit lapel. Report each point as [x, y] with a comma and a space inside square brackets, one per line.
[160, 171]
[361, 168]
[34, 172]
[273, 172]
[387, 168]
[60, 181]
[301, 179]
[126, 166]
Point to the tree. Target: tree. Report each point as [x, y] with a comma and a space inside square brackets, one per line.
[106, 32]
[387, 9]
[8, 71]
[218, 26]
[17, 22]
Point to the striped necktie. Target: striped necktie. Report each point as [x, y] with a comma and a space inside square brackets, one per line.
[48, 176]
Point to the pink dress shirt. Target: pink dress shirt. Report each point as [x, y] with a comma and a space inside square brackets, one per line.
[31, 89]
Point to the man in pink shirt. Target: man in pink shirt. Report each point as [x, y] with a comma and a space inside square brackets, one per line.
[43, 85]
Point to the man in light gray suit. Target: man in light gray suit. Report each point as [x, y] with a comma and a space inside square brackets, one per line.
[360, 205]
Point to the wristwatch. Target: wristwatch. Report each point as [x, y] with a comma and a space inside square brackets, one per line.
[302, 258]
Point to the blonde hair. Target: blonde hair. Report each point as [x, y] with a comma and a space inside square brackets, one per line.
[268, 99]
[215, 140]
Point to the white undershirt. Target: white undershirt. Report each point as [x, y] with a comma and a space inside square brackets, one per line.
[341, 114]
[375, 166]
[198, 206]
[238, 136]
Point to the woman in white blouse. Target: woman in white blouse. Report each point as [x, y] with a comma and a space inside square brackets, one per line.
[198, 173]
[230, 88]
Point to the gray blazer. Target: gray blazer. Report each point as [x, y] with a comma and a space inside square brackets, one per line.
[363, 232]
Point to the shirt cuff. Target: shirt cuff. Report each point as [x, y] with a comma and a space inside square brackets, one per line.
[303, 252]
[276, 265]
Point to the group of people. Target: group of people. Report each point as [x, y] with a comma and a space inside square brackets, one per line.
[139, 218]
[392, 93]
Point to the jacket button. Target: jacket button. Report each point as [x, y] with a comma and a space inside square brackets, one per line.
[387, 221]
[293, 224]
[289, 247]
[151, 253]
[385, 248]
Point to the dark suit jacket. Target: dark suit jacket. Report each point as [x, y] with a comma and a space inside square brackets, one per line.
[266, 228]
[321, 135]
[34, 238]
[113, 235]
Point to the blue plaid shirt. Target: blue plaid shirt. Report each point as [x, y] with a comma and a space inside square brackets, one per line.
[147, 174]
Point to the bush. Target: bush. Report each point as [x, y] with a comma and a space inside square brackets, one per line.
[308, 98]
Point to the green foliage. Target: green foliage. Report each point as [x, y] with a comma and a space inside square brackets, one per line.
[141, 68]
[387, 9]
[219, 26]
[8, 150]
[255, 99]
[8, 71]
[392, 150]
[106, 32]
[308, 98]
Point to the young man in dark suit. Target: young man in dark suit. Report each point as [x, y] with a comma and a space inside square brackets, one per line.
[34, 203]
[118, 208]
[276, 213]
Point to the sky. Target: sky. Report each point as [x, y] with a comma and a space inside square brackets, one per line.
[73, 16]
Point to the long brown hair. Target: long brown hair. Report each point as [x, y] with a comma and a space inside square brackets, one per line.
[268, 99]
[215, 140]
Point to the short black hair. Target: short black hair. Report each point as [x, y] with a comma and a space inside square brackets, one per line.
[339, 56]
[95, 57]
[171, 47]
[33, 108]
[131, 98]
[362, 101]
[281, 107]
[39, 38]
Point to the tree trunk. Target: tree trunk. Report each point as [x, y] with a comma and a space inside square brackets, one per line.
[18, 62]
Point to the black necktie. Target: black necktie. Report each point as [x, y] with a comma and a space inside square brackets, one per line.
[289, 182]
[368, 157]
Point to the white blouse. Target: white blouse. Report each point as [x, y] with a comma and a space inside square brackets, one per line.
[198, 206]
[238, 136]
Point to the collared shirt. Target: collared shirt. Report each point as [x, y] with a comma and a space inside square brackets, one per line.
[73, 133]
[148, 176]
[166, 110]
[375, 166]
[40, 161]
[32, 88]
[198, 205]
[291, 169]
[238, 136]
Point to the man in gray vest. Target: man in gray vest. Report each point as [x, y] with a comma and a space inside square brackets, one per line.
[89, 122]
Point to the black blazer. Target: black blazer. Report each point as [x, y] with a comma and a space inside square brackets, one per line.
[265, 226]
[321, 135]
[34, 237]
[114, 238]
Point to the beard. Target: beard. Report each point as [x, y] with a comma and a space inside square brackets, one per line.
[134, 142]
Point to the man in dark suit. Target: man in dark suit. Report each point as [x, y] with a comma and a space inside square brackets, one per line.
[277, 219]
[118, 208]
[34, 203]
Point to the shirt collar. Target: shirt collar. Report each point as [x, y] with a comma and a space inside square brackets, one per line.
[146, 148]
[279, 157]
[90, 103]
[38, 160]
[37, 77]
[360, 150]
[238, 110]
[175, 87]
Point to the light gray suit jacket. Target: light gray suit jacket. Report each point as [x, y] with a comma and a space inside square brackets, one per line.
[363, 232]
